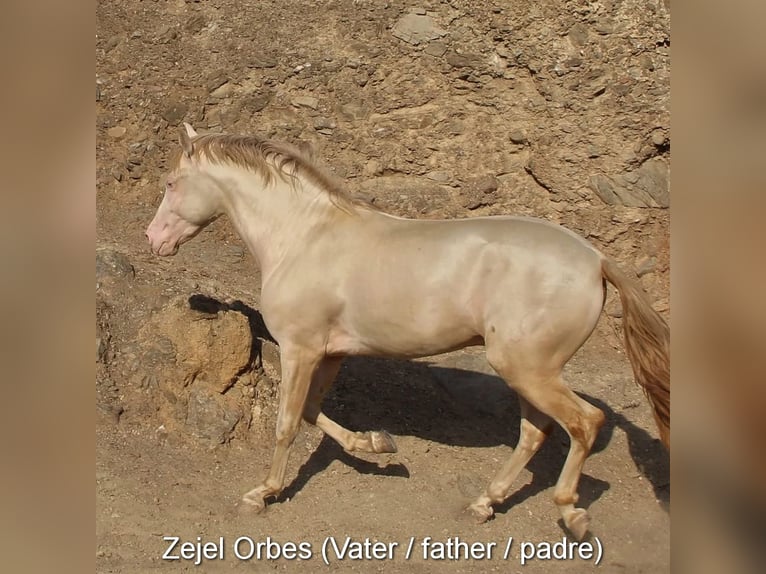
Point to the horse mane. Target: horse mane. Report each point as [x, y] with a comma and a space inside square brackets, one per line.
[270, 158]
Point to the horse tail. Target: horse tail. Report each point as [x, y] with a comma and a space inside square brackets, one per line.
[647, 342]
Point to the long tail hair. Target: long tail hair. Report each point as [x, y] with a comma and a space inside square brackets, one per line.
[647, 342]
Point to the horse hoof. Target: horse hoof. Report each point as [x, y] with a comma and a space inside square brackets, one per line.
[480, 513]
[382, 442]
[252, 504]
[578, 524]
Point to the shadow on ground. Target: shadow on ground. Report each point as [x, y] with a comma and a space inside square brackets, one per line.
[450, 406]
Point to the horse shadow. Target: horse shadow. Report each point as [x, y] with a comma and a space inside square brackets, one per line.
[451, 406]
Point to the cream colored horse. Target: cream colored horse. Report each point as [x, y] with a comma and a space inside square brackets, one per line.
[341, 278]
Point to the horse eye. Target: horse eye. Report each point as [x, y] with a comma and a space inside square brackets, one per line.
[169, 185]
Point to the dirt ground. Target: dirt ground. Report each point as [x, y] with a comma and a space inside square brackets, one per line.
[557, 109]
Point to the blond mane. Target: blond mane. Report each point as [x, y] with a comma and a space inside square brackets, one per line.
[270, 158]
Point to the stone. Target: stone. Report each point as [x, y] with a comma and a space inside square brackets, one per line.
[658, 137]
[463, 60]
[112, 263]
[440, 176]
[353, 111]
[223, 90]
[646, 186]
[211, 344]
[305, 102]
[436, 49]
[262, 61]
[416, 29]
[578, 35]
[321, 123]
[257, 102]
[117, 132]
[479, 192]
[517, 136]
[210, 415]
[646, 265]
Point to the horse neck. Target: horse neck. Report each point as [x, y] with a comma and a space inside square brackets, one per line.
[276, 218]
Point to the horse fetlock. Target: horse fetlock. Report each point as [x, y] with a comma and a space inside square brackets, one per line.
[382, 442]
[568, 499]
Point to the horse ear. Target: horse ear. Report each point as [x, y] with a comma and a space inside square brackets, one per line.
[186, 133]
[190, 130]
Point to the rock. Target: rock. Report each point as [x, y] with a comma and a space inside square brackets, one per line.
[216, 81]
[117, 132]
[270, 360]
[262, 61]
[174, 113]
[463, 60]
[223, 90]
[213, 345]
[111, 263]
[436, 49]
[210, 415]
[353, 111]
[658, 137]
[417, 28]
[372, 168]
[646, 265]
[517, 136]
[479, 192]
[604, 27]
[166, 34]
[257, 102]
[305, 102]
[440, 176]
[321, 123]
[578, 35]
[646, 186]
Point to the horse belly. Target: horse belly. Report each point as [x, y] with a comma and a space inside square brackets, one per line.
[401, 334]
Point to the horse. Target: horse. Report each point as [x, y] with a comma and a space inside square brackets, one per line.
[341, 277]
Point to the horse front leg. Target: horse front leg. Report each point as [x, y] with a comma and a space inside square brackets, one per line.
[298, 368]
[371, 441]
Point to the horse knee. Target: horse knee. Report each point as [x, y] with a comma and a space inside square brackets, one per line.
[287, 430]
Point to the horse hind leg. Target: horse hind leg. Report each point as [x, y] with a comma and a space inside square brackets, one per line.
[535, 427]
[370, 441]
[581, 421]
